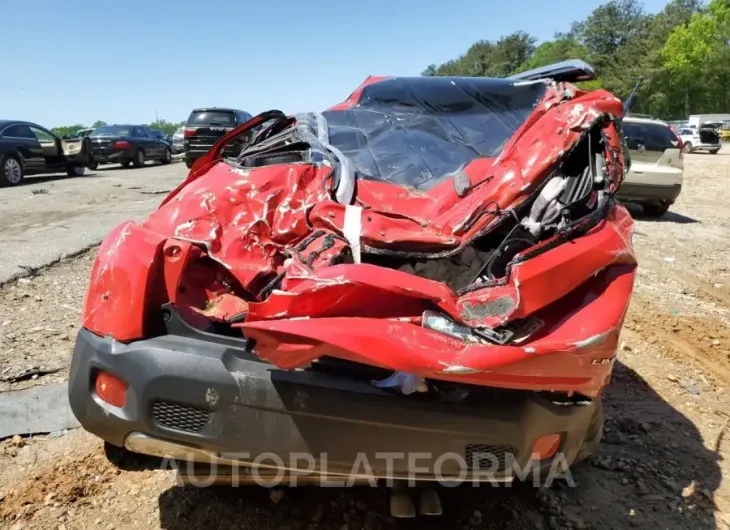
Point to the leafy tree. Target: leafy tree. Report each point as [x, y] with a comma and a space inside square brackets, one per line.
[487, 58]
[98, 123]
[564, 47]
[611, 27]
[166, 126]
[696, 54]
[69, 130]
[683, 52]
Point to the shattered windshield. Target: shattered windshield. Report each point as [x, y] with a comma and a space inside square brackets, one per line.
[418, 131]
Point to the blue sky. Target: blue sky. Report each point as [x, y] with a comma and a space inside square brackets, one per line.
[76, 61]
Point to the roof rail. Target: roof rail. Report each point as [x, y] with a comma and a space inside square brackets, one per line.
[570, 71]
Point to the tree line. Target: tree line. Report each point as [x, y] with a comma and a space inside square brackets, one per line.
[683, 52]
[161, 125]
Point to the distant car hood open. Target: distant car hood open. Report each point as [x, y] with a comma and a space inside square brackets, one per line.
[459, 229]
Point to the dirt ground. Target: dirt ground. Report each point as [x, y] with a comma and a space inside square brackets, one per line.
[663, 462]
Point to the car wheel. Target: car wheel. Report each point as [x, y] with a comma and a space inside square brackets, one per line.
[655, 210]
[93, 166]
[138, 158]
[125, 164]
[167, 158]
[75, 171]
[189, 162]
[688, 147]
[714, 152]
[12, 172]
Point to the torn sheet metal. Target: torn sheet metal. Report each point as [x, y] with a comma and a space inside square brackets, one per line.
[336, 242]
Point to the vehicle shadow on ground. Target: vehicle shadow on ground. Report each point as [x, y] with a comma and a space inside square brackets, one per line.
[29, 180]
[651, 471]
[669, 217]
[119, 167]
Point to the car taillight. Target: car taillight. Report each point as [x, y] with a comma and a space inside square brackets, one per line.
[121, 144]
[190, 132]
[679, 140]
[111, 389]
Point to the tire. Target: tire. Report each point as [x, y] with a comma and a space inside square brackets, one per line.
[593, 434]
[688, 147]
[655, 210]
[11, 171]
[714, 152]
[75, 171]
[125, 164]
[138, 158]
[189, 162]
[167, 157]
[93, 166]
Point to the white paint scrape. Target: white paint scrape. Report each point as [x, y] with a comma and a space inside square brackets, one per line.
[353, 228]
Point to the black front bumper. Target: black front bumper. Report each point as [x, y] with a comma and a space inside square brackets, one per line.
[195, 151]
[112, 157]
[216, 397]
[630, 191]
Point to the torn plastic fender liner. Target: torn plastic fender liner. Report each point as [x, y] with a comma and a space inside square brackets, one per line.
[556, 358]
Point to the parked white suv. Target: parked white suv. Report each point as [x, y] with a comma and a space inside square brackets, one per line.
[178, 141]
[706, 138]
[657, 167]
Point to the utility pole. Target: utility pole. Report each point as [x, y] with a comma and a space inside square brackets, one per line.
[157, 120]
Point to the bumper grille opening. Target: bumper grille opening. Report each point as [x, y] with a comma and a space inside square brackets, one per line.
[486, 457]
[180, 417]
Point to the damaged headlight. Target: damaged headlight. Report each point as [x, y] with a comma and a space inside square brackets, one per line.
[443, 324]
[514, 332]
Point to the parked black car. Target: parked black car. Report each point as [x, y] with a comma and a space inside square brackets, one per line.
[161, 136]
[127, 144]
[206, 125]
[29, 149]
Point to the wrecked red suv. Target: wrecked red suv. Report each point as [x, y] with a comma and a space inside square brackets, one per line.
[436, 265]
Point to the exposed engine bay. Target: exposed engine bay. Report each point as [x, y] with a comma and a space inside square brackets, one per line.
[461, 230]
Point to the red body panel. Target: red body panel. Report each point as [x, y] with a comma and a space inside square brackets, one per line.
[258, 223]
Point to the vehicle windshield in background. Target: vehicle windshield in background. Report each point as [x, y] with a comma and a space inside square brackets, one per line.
[112, 130]
[212, 118]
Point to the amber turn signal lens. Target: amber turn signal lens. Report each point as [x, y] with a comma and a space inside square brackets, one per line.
[546, 446]
[111, 389]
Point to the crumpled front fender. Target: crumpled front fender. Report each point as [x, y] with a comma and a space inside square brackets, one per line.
[572, 352]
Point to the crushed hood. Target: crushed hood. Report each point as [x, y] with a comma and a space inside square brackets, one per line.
[363, 211]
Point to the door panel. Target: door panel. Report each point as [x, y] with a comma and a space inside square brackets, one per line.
[146, 142]
[50, 145]
[20, 136]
